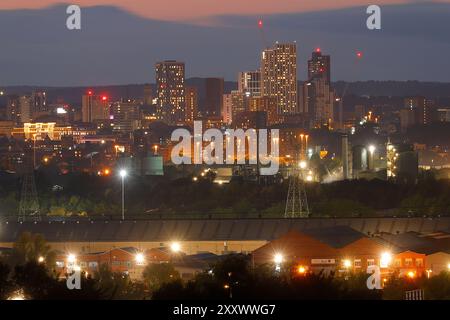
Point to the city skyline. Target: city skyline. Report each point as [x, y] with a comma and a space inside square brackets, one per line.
[201, 47]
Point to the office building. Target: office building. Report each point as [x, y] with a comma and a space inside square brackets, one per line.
[148, 95]
[227, 110]
[279, 76]
[249, 82]
[94, 107]
[125, 116]
[211, 106]
[25, 106]
[39, 103]
[421, 108]
[191, 104]
[13, 108]
[318, 103]
[170, 88]
[319, 66]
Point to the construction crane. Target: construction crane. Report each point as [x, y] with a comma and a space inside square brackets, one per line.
[263, 34]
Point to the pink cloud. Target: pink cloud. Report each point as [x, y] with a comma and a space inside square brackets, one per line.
[195, 9]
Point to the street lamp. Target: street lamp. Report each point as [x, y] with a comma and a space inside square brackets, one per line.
[175, 247]
[371, 149]
[386, 259]
[278, 259]
[140, 259]
[303, 164]
[123, 174]
[71, 258]
[347, 264]
[301, 270]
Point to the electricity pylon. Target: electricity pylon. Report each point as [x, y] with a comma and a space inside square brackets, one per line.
[29, 202]
[297, 201]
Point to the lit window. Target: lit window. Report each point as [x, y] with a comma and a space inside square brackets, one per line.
[419, 262]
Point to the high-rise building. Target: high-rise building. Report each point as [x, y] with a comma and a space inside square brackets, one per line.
[39, 102]
[422, 108]
[191, 104]
[264, 104]
[318, 102]
[443, 115]
[125, 116]
[279, 76]
[249, 82]
[170, 89]
[227, 110]
[407, 119]
[318, 96]
[319, 66]
[238, 103]
[212, 105]
[148, 95]
[13, 108]
[94, 107]
[25, 105]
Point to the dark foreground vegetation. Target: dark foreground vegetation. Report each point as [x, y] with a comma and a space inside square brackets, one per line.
[85, 195]
[24, 275]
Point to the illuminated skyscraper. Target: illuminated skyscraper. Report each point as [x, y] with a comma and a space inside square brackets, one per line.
[26, 113]
[238, 103]
[125, 116]
[249, 82]
[170, 89]
[318, 97]
[39, 102]
[279, 76]
[191, 104]
[319, 66]
[227, 110]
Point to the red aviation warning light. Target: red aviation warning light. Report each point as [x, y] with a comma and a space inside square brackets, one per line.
[104, 98]
[260, 24]
[90, 92]
[318, 50]
[359, 54]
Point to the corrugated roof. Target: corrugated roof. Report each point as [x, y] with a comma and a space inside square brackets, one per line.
[159, 230]
[337, 237]
[418, 242]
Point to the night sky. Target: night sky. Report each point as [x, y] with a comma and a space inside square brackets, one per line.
[119, 44]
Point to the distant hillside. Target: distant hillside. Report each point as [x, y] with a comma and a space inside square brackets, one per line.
[72, 95]
[395, 88]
